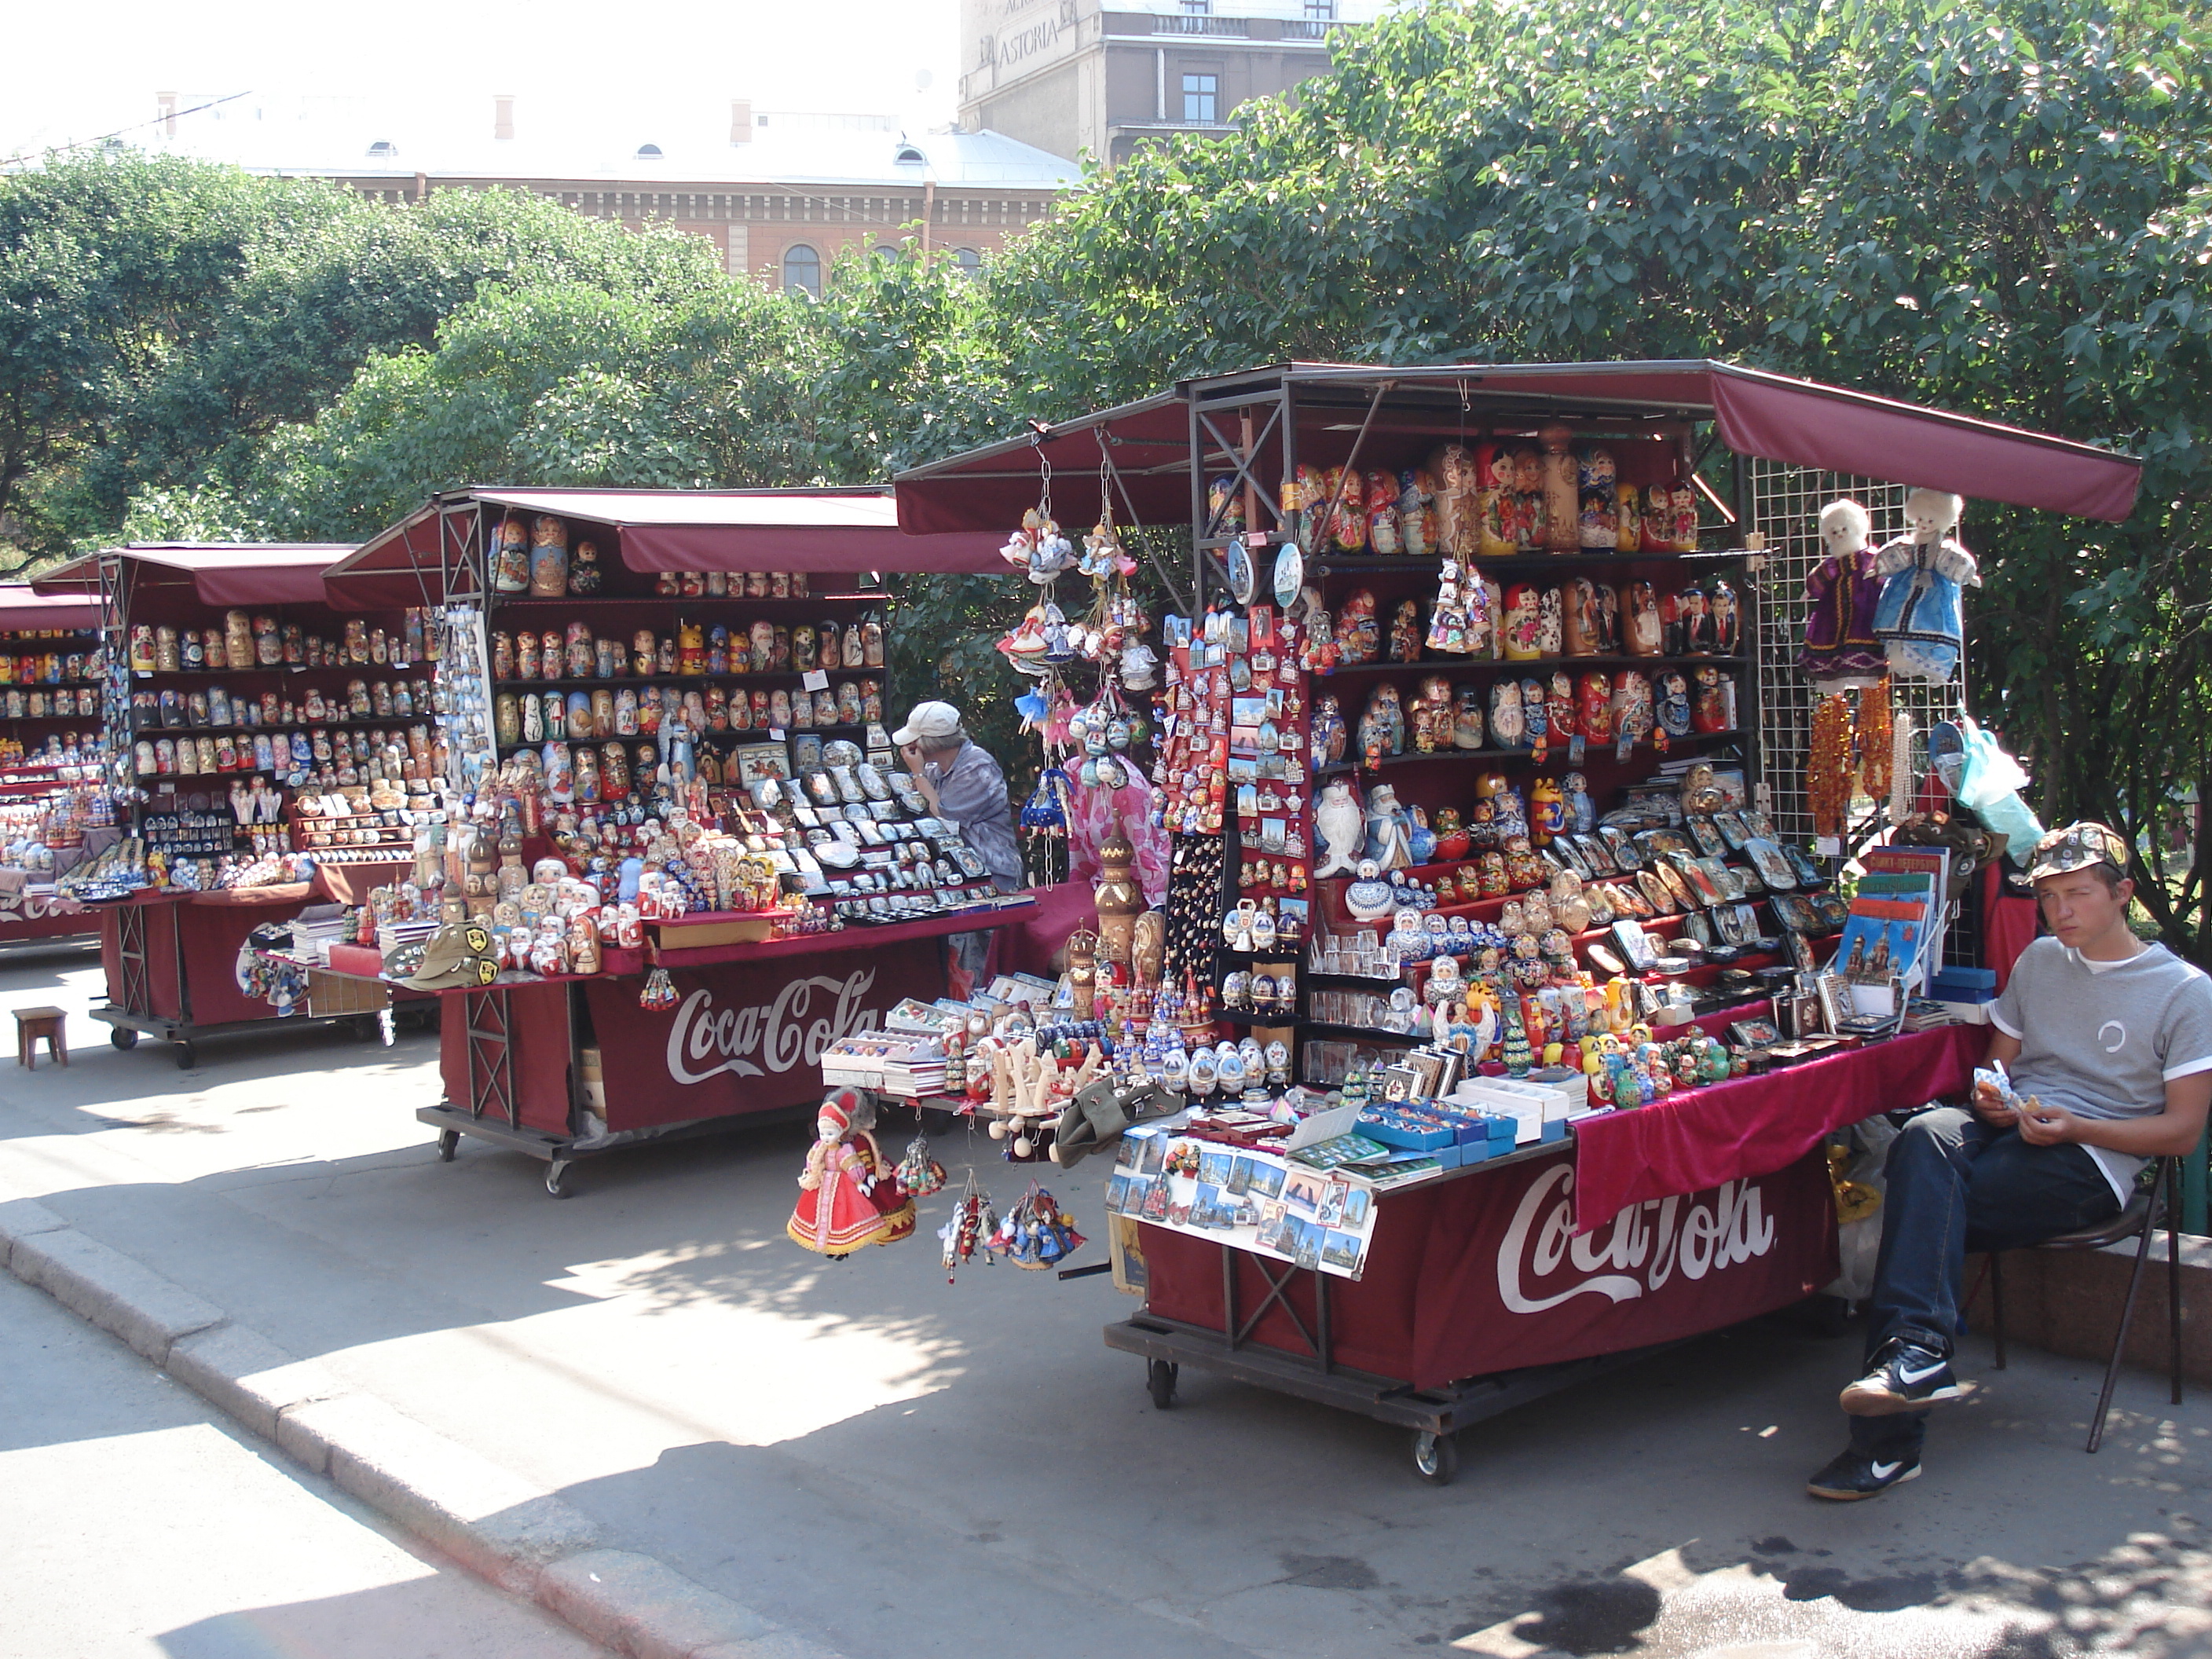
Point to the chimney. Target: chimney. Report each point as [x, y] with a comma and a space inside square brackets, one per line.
[165, 104]
[503, 115]
[741, 120]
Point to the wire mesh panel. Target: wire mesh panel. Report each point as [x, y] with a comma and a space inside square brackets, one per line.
[1786, 505]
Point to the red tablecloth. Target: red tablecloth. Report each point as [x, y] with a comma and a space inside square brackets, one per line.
[1757, 1125]
[862, 938]
[2008, 925]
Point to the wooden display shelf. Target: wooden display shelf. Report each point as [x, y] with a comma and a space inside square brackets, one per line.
[638, 682]
[1352, 564]
[527, 602]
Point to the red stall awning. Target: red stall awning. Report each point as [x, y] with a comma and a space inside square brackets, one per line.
[241, 573]
[657, 530]
[23, 610]
[1776, 417]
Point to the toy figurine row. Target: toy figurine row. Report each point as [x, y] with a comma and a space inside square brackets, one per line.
[42, 837]
[261, 641]
[1526, 621]
[533, 558]
[133, 864]
[82, 703]
[345, 755]
[51, 667]
[1495, 500]
[1532, 714]
[382, 700]
[640, 711]
[764, 647]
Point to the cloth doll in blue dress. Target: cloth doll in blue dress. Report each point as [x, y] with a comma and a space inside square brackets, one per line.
[1917, 618]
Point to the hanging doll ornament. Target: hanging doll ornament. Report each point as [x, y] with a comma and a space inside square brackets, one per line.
[847, 1198]
[659, 995]
[1035, 1233]
[972, 1222]
[1918, 618]
[919, 1174]
[1841, 652]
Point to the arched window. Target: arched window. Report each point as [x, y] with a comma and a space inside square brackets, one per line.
[886, 251]
[969, 261]
[802, 268]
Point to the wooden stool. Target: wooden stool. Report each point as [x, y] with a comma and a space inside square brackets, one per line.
[31, 1024]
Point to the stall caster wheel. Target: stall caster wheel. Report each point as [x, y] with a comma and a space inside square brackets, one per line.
[556, 1174]
[123, 1037]
[187, 1056]
[1435, 1457]
[1160, 1378]
[448, 1140]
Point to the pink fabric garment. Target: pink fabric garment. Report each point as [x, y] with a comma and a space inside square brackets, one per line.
[1756, 1125]
[1095, 814]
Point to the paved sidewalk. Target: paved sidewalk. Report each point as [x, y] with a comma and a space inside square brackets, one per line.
[898, 1467]
[138, 1523]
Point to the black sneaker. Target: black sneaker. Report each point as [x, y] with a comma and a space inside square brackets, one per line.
[1906, 1378]
[1852, 1475]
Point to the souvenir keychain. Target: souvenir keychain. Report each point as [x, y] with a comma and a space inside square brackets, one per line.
[972, 1222]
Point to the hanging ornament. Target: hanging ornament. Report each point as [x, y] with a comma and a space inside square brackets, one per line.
[919, 1173]
[972, 1222]
[1035, 1234]
[659, 995]
[1876, 754]
[1828, 766]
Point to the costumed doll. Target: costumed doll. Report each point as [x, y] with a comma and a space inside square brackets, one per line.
[1840, 651]
[1918, 618]
[848, 1196]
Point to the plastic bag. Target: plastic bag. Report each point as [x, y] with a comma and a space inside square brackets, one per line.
[1858, 1243]
[1990, 781]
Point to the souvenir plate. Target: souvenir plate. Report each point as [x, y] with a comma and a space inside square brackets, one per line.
[1289, 574]
[1243, 580]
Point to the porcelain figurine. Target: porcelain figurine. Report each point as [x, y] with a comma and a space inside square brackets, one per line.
[1388, 842]
[1367, 897]
[1327, 743]
[1918, 618]
[1341, 827]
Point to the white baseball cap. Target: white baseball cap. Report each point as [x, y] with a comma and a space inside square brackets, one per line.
[930, 722]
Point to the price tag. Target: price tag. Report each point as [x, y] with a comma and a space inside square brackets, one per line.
[816, 679]
[775, 734]
[1828, 847]
[1625, 746]
[1574, 746]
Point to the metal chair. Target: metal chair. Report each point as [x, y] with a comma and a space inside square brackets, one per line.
[2138, 1219]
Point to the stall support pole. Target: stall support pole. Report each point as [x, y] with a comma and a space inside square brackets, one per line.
[2194, 1218]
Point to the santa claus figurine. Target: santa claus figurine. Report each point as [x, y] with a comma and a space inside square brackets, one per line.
[848, 1196]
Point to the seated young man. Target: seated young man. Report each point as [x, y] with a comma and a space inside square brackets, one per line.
[2109, 1044]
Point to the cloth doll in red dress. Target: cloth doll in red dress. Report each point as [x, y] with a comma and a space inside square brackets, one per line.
[848, 1196]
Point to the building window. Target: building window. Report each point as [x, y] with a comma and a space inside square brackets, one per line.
[969, 261]
[1197, 8]
[802, 268]
[1200, 99]
[1320, 11]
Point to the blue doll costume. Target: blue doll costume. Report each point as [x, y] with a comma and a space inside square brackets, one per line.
[1918, 617]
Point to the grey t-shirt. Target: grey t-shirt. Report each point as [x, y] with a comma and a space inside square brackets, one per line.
[2104, 1039]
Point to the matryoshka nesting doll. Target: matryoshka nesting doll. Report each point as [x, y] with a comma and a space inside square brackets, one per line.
[1358, 637]
[1406, 633]
[1579, 620]
[1550, 625]
[1327, 743]
[1595, 481]
[1496, 503]
[1536, 716]
[1466, 718]
[1417, 512]
[1686, 519]
[1594, 708]
[1383, 724]
[1381, 501]
[548, 558]
[1523, 620]
[691, 647]
[802, 645]
[583, 652]
[584, 569]
[1640, 626]
[1547, 811]
[1562, 492]
[1727, 618]
[1671, 695]
[1659, 519]
[1509, 729]
[522, 657]
[1631, 707]
[510, 567]
[1560, 710]
[1713, 707]
[1628, 518]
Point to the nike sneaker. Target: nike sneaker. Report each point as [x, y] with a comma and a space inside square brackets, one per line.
[1852, 1475]
[1906, 1377]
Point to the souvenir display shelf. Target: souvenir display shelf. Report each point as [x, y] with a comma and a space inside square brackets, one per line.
[209, 854]
[55, 807]
[693, 1018]
[1442, 1314]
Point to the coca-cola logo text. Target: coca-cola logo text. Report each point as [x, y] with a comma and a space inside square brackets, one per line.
[808, 1015]
[15, 907]
[1647, 1244]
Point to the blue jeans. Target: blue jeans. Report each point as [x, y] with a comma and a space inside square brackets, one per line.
[1955, 1185]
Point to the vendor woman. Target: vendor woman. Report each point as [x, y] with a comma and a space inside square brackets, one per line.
[964, 787]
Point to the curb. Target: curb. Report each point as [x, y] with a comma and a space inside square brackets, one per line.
[525, 1539]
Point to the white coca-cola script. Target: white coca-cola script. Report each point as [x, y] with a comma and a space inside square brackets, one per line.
[808, 1015]
[1646, 1245]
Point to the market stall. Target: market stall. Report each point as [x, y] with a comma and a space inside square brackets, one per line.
[55, 808]
[262, 745]
[1523, 725]
[671, 804]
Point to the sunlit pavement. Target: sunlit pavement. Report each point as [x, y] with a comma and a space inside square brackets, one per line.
[900, 1467]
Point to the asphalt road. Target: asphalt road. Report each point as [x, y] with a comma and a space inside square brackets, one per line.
[905, 1469]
